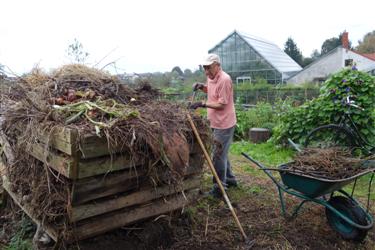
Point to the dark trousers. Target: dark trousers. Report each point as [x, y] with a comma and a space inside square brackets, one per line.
[224, 137]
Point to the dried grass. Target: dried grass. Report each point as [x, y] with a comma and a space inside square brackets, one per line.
[331, 163]
[151, 134]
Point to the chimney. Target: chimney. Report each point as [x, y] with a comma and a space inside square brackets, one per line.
[345, 40]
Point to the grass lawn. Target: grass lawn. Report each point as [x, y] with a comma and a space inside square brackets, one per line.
[270, 155]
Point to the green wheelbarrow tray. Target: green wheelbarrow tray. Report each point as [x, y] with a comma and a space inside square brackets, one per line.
[312, 189]
[313, 186]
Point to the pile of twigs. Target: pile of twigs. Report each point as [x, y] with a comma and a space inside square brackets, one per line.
[329, 163]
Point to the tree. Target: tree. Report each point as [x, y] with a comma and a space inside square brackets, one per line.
[306, 61]
[332, 43]
[76, 52]
[368, 44]
[188, 73]
[292, 50]
[315, 54]
[178, 70]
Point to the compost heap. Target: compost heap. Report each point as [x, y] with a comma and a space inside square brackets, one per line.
[329, 163]
[94, 102]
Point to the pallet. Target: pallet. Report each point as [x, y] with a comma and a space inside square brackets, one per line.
[70, 142]
[73, 167]
[100, 186]
[125, 217]
[79, 156]
[144, 195]
[91, 220]
[108, 189]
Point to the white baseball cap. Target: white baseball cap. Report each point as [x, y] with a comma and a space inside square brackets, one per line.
[210, 59]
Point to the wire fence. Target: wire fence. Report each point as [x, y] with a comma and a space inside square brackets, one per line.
[271, 96]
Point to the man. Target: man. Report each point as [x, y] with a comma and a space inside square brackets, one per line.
[222, 117]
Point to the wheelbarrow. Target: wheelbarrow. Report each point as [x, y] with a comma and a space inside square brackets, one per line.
[345, 215]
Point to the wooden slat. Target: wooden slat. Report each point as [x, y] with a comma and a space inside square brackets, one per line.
[90, 145]
[132, 184]
[60, 145]
[67, 135]
[107, 164]
[101, 224]
[61, 163]
[85, 168]
[67, 141]
[98, 186]
[104, 185]
[93, 146]
[72, 169]
[60, 138]
[29, 210]
[101, 207]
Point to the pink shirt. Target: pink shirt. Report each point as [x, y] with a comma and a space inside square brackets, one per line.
[220, 90]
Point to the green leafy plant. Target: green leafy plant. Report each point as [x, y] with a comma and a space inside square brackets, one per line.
[262, 115]
[21, 240]
[329, 107]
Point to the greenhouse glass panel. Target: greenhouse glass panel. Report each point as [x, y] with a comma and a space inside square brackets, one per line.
[244, 55]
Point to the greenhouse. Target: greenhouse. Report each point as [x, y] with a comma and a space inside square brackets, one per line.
[246, 57]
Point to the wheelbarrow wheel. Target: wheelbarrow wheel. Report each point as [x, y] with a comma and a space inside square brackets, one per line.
[353, 212]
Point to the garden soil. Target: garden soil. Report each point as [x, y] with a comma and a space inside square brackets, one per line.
[208, 224]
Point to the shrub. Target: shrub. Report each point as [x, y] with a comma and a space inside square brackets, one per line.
[328, 107]
[260, 116]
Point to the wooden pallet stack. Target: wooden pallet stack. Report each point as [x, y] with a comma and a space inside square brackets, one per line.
[109, 190]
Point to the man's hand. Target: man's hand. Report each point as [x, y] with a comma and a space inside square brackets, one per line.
[196, 105]
[197, 86]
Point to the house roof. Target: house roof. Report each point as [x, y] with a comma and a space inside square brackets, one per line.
[370, 56]
[316, 61]
[270, 52]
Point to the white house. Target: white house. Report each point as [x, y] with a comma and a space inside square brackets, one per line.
[334, 61]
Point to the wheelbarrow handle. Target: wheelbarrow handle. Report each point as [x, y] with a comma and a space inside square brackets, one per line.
[294, 145]
[266, 170]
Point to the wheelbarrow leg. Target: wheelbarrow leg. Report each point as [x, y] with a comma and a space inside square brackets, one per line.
[281, 196]
[295, 212]
[283, 206]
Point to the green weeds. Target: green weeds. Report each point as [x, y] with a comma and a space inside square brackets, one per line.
[22, 239]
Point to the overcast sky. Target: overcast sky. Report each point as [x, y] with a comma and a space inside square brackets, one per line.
[149, 36]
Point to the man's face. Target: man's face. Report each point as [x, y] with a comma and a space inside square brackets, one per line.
[211, 70]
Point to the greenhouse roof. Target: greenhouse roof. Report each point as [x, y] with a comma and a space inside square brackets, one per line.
[270, 52]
